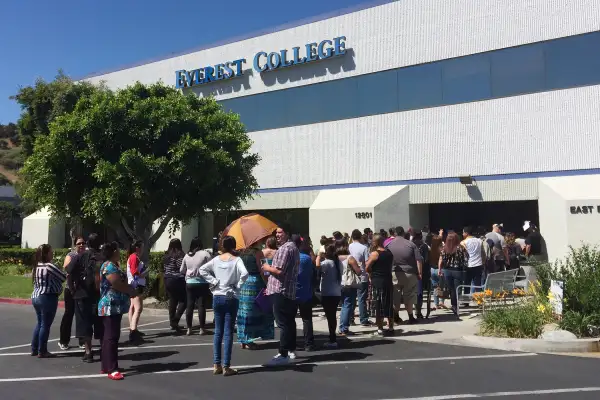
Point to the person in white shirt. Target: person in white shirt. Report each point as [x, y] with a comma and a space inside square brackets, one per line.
[226, 274]
[361, 254]
[477, 259]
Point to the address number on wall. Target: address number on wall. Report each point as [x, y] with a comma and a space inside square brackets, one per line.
[363, 215]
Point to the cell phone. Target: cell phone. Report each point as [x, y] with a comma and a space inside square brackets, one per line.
[264, 261]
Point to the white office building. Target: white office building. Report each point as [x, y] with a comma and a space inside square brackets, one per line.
[413, 112]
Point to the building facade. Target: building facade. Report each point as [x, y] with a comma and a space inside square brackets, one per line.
[414, 112]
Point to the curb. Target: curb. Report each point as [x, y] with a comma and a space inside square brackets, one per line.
[8, 300]
[534, 345]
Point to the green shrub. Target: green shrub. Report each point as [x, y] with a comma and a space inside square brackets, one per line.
[580, 324]
[521, 320]
[580, 272]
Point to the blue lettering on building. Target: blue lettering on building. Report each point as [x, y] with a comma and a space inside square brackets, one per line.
[263, 62]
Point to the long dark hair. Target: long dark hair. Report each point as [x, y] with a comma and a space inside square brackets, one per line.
[109, 249]
[331, 254]
[195, 246]
[42, 255]
[134, 246]
[175, 250]
[228, 245]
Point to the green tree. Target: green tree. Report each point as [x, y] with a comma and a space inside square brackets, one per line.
[140, 154]
[43, 103]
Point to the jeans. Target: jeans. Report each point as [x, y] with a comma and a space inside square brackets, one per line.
[435, 282]
[175, 288]
[362, 295]
[284, 310]
[330, 304]
[109, 351]
[473, 277]
[307, 323]
[45, 306]
[453, 279]
[348, 298]
[198, 294]
[225, 309]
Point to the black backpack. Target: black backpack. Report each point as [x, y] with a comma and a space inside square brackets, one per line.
[86, 275]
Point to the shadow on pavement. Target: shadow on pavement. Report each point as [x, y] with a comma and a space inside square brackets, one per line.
[308, 364]
[158, 367]
[147, 356]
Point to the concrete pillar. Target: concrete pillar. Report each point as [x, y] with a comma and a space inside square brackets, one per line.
[186, 233]
[569, 209]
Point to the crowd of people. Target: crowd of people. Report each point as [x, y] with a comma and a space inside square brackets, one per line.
[268, 283]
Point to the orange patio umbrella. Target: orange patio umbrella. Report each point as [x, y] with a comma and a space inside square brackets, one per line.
[250, 229]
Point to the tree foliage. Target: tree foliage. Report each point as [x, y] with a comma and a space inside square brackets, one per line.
[43, 103]
[130, 157]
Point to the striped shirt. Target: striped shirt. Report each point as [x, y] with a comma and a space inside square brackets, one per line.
[287, 259]
[48, 279]
[172, 266]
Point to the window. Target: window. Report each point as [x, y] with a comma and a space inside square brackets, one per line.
[573, 61]
[377, 93]
[466, 79]
[420, 86]
[518, 70]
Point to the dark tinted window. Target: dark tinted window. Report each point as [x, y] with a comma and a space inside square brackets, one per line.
[555, 64]
[518, 70]
[466, 79]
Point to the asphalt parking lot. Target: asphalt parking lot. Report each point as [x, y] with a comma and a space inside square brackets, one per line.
[177, 367]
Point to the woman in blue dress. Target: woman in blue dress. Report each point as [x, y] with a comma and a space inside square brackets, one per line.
[252, 322]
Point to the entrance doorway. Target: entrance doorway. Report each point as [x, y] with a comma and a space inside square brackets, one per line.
[483, 215]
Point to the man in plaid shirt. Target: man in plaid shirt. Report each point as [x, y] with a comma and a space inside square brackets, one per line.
[281, 288]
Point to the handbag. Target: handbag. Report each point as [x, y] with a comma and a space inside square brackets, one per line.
[349, 277]
[263, 301]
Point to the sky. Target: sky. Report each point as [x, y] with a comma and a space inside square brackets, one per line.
[82, 37]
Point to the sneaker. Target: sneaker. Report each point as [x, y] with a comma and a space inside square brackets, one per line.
[217, 369]
[278, 360]
[189, 332]
[34, 353]
[63, 347]
[140, 333]
[116, 376]
[367, 324]
[229, 371]
[331, 345]
[292, 355]
[46, 355]
[88, 358]
[379, 333]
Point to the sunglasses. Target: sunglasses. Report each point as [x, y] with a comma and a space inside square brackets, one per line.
[80, 244]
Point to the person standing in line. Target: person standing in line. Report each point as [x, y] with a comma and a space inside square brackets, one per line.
[499, 251]
[136, 278]
[270, 249]
[66, 323]
[47, 285]
[83, 273]
[434, 256]
[175, 282]
[281, 287]
[417, 239]
[513, 249]
[349, 291]
[253, 322]
[114, 302]
[477, 259]
[369, 233]
[407, 271]
[379, 267]
[225, 274]
[197, 289]
[304, 291]
[533, 242]
[361, 254]
[452, 264]
[330, 267]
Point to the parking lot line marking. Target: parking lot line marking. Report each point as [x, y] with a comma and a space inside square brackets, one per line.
[72, 337]
[503, 394]
[299, 362]
[158, 346]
